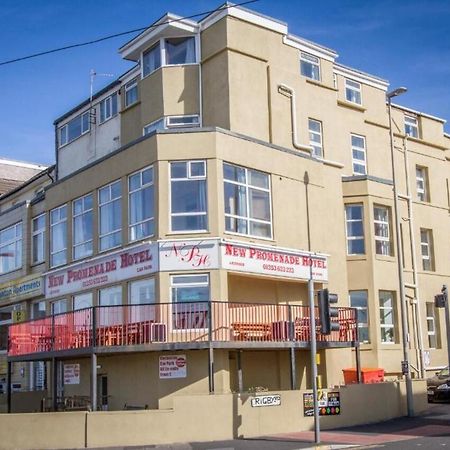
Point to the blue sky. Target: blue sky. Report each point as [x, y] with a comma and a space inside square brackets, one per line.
[406, 42]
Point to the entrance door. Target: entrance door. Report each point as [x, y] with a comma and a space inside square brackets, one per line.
[102, 392]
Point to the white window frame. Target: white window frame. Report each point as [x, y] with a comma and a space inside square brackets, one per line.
[385, 241]
[133, 84]
[307, 58]
[363, 325]
[57, 304]
[83, 296]
[422, 183]
[187, 178]
[431, 325]
[388, 326]
[353, 87]
[247, 187]
[163, 53]
[52, 225]
[38, 236]
[17, 242]
[141, 188]
[411, 126]
[357, 161]
[104, 107]
[426, 249]
[347, 221]
[313, 143]
[191, 121]
[81, 214]
[64, 130]
[106, 204]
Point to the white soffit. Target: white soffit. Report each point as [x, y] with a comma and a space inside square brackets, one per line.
[310, 47]
[361, 77]
[418, 113]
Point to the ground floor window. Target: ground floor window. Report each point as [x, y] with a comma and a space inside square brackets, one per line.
[59, 306]
[141, 295]
[37, 376]
[190, 294]
[358, 300]
[82, 301]
[111, 296]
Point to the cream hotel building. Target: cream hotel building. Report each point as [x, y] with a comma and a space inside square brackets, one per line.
[168, 251]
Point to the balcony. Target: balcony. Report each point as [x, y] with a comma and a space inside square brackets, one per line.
[161, 326]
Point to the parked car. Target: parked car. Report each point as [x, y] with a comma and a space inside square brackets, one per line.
[438, 387]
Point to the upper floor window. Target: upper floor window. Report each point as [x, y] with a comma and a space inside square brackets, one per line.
[355, 229]
[382, 230]
[426, 246]
[353, 91]
[74, 129]
[422, 184]
[359, 154]
[169, 51]
[156, 125]
[141, 204]
[172, 122]
[59, 306]
[315, 137]
[411, 126]
[11, 248]
[387, 317]
[110, 207]
[247, 201]
[81, 301]
[38, 238]
[108, 107]
[58, 236]
[188, 202]
[358, 300]
[82, 227]
[310, 66]
[131, 93]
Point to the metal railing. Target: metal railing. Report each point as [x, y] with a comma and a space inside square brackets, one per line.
[186, 322]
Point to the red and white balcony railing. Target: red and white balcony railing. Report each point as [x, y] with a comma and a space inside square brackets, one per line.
[127, 325]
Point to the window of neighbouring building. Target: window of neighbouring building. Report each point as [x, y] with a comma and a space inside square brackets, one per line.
[74, 129]
[82, 226]
[355, 229]
[432, 325]
[315, 137]
[310, 66]
[247, 201]
[58, 236]
[188, 198]
[359, 154]
[141, 204]
[426, 246]
[387, 317]
[131, 93]
[11, 248]
[108, 107]
[358, 300]
[411, 126]
[110, 207]
[38, 239]
[353, 92]
[422, 184]
[190, 294]
[382, 230]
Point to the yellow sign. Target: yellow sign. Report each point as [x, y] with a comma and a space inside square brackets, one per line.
[21, 289]
[19, 316]
[3, 366]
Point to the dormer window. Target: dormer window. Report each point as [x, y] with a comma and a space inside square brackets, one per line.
[169, 52]
[353, 92]
[309, 66]
[411, 126]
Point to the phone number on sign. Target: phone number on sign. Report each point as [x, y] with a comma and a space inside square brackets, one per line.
[275, 268]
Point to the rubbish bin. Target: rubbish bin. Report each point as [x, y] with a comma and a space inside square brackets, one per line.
[368, 375]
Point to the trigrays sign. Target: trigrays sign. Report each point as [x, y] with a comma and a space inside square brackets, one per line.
[266, 400]
[21, 289]
[287, 263]
[118, 266]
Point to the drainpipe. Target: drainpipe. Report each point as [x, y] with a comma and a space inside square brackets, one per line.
[198, 50]
[416, 303]
[290, 93]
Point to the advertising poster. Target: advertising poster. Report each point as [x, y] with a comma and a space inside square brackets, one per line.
[71, 374]
[329, 403]
[172, 366]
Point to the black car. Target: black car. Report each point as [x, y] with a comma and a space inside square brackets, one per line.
[438, 387]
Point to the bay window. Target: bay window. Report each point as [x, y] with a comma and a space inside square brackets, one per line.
[188, 202]
[110, 207]
[141, 204]
[11, 248]
[82, 227]
[354, 229]
[131, 93]
[247, 201]
[382, 230]
[358, 300]
[387, 317]
[58, 236]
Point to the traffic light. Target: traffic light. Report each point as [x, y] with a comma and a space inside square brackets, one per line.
[440, 300]
[327, 313]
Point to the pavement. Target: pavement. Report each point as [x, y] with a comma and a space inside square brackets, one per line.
[430, 430]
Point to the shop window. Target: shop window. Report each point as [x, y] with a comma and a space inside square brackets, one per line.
[82, 226]
[358, 300]
[247, 201]
[188, 196]
[58, 236]
[355, 229]
[110, 207]
[11, 248]
[387, 317]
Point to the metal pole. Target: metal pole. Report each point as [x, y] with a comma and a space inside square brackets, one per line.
[94, 381]
[357, 351]
[292, 349]
[312, 323]
[405, 340]
[210, 351]
[54, 384]
[8, 386]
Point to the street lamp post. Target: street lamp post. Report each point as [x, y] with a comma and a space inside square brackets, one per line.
[405, 363]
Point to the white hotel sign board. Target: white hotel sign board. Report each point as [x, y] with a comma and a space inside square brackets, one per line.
[128, 263]
[242, 257]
